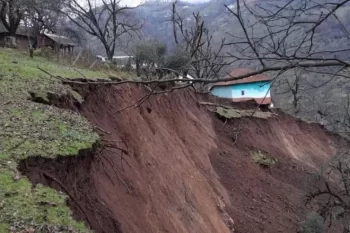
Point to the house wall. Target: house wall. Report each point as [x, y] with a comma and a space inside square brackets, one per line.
[222, 91]
[44, 41]
[251, 90]
[22, 42]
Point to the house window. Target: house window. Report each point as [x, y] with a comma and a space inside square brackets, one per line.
[242, 92]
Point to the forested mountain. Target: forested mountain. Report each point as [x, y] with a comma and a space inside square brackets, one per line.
[156, 16]
[314, 96]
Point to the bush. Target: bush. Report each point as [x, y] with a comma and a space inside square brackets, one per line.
[263, 160]
[43, 52]
[150, 52]
[312, 224]
[180, 59]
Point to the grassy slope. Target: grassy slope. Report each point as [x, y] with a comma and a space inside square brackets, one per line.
[31, 129]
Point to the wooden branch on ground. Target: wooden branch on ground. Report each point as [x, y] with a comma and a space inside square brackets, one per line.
[120, 179]
[208, 81]
[214, 104]
[137, 103]
[100, 129]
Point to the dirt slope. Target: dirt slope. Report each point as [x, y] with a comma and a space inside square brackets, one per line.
[270, 200]
[182, 165]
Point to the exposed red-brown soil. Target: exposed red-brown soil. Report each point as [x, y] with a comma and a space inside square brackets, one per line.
[182, 165]
[270, 200]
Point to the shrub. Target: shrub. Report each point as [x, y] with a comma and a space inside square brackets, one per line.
[43, 52]
[312, 224]
[263, 160]
[150, 52]
[178, 60]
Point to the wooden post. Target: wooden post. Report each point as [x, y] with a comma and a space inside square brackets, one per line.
[76, 59]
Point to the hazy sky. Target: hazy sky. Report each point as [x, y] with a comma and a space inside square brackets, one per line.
[138, 2]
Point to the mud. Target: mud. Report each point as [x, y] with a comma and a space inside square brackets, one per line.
[270, 200]
[169, 165]
[64, 101]
[72, 175]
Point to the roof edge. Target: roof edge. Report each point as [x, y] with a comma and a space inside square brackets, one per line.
[226, 83]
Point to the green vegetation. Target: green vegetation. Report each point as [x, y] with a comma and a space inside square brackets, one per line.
[17, 64]
[23, 206]
[263, 160]
[230, 113]
[312, 224]
[32, 129]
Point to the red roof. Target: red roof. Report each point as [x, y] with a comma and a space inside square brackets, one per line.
[262, 101]
[239, 72]
[251, 79]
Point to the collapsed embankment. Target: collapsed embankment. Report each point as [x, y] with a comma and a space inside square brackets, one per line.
[169, 165]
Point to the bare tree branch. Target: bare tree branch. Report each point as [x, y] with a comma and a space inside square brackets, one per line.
[108, 22]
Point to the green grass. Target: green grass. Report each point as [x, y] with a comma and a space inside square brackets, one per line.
[18, 64]
[33, 207]
[230, 113]
[262, 159]
[33, 129]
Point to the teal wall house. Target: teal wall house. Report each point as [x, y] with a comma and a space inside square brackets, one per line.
[255, 88]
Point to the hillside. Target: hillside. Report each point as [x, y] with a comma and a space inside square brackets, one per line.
[28, 128]
[155, 16]
[171, 164]
[327, 104]
[184, 170]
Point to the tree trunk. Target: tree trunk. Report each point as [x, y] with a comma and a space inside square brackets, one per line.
[31, 52]
[12, 31]
[109, 53]
[12, 42]
[138, 73]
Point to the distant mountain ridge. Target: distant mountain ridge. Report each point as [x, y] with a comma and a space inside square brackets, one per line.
[156, 16]
[329, 100]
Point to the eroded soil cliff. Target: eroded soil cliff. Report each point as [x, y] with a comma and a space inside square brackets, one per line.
[170, 165]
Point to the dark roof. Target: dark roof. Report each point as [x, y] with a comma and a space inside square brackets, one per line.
[21, 30]
[239, 72]
[60, 39]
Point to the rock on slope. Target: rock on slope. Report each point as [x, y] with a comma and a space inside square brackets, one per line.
[170, 165]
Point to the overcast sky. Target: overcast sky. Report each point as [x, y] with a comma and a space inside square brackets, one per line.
[130, 2]
[137, 2]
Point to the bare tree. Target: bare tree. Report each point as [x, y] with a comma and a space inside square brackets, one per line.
[283, 35]
[37, 16]
[294, 83]
[331, 191]
[291, 36]
[337, 115]
[107, 21]
[34, 15]
[43, 14]
[195, 39]
[11, 13]
[271, 36]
